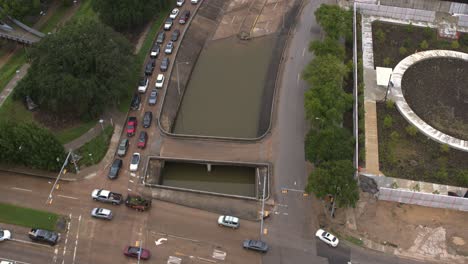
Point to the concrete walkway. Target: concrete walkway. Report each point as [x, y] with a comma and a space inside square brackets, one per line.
[13, 82]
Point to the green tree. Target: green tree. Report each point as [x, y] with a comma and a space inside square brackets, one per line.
[328, 46]
[332, 143]
[79, 71]
[125, 15]
[29, 145]
[325, 69]
[424, 44]
[20, 8]
[335, 21]
[335, 178]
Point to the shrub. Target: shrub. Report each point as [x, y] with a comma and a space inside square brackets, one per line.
[409, 28]
[394, 136]
[387, 61]
[403, 50]
[455, 45]
[390, 104]
[407, 42]
[444, 148]
[380, 35]
[394, 185]
[416, 187]
[428, 33]
[388, 121]
[464, 39]
[411, 130]
[424, 45]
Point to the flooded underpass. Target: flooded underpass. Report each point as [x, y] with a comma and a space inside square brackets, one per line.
[224, 94]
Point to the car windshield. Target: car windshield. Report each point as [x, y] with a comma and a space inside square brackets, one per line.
[334, 239]
[130, 126]
[135, 159]
[143, 82]
[133, 250]
[1, 233]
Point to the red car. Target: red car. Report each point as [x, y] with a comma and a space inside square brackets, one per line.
[131, 126]
[134, 251]
[142, 139]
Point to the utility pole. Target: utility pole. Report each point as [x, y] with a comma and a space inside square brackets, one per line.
[49, 199]
[263, 206]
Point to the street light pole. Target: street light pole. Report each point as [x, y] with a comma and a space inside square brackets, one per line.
[263, 206]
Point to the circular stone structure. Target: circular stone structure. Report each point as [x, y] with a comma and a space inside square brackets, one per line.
[397, 96]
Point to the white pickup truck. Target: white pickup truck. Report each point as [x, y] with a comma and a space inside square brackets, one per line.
[106, 196]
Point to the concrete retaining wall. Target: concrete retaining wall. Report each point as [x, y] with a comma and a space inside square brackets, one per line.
[423, 199]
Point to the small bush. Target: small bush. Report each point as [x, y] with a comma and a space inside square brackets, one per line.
[390, 104]
[394, 136]
[411, 130]
[380, 35]
[455, 45]
[424, 45]
[388, 121]
[394, 185]
[436, 192]
[429, 33]
[464, 39]
[407, 43]
[444, 148]
[409, 28]
[403, 50]
[416, 187]
[387, 61]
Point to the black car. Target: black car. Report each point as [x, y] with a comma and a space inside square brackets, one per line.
[256, 245]
[164, 64]
[149, 68]
[136, 100]
[45, 236]
[114, 169]
[175, 35]
[147, 118]
[153, 62]
[161, 37]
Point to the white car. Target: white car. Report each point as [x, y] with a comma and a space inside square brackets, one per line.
[143, 84]
[174, 13]
[160, 81]
[135, 161]
[168, 24]
[5, 235]
[102, 213]
[228, 221]
[327, 237]
[169, 47]
[180, 2]
[194, 1]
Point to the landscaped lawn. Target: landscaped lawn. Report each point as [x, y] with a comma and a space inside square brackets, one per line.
[69, 134]
[27, 217]
[97, 147]
[9, 69]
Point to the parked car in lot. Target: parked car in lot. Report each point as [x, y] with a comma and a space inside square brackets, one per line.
[143, 84]
[102, 213]
[5, 235]
[149, 68]
[159, 81]
[168, 24]
[106, 196]
[131, 126]
[115, 169]
[327, 237]
[136, 100]
[174, 13]
[194, 2]
[153, 97]
[147, 118]
[256, 245]
[228, 221]
[138, 203]
[123, 146]
[134, 252]
[155, 51]
[164, 64]
[44, 236]
[180, 2]
[169, 47]
[184, 17]
[175, 35]
[135, 161]
[161, 37]
[142, 139]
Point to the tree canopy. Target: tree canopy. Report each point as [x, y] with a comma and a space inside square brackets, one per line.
[335, 178]
[80, 70]
[329, 144]
[20, 8]
[328, 46]
[125, 15]
[335, 21]
[29, 145]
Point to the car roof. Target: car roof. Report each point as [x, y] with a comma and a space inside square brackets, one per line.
[231, 218]
[104, 192]
[160, 76]
[104, 211]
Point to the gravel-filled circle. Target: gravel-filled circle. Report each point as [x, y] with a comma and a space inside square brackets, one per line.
[437, 91]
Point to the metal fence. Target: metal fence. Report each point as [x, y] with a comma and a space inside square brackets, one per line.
[423, 199]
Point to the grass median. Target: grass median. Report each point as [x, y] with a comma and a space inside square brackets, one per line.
[22, 216]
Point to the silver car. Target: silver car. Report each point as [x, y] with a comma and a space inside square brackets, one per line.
[102, 213]
[228, 221]
[153, 97]
[123, 146]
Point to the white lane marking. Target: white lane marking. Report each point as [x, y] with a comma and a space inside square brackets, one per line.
[298, 77]
[218, 254]
[130, 181]
[285, 213]
[66, 237]
[29, 242]
[282, 205]
[293, 190]
[303, 52]
[129, 190]
[233, 18]
[55, 255]
[21, 189]
[76, 241]
[274, 7]
[207, 260]
[69, 197]
[295, 183]
[160, 241]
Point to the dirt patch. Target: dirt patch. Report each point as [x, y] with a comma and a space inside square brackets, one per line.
[409, 228]
[436, 91]
[394, 42]
[53, 122]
